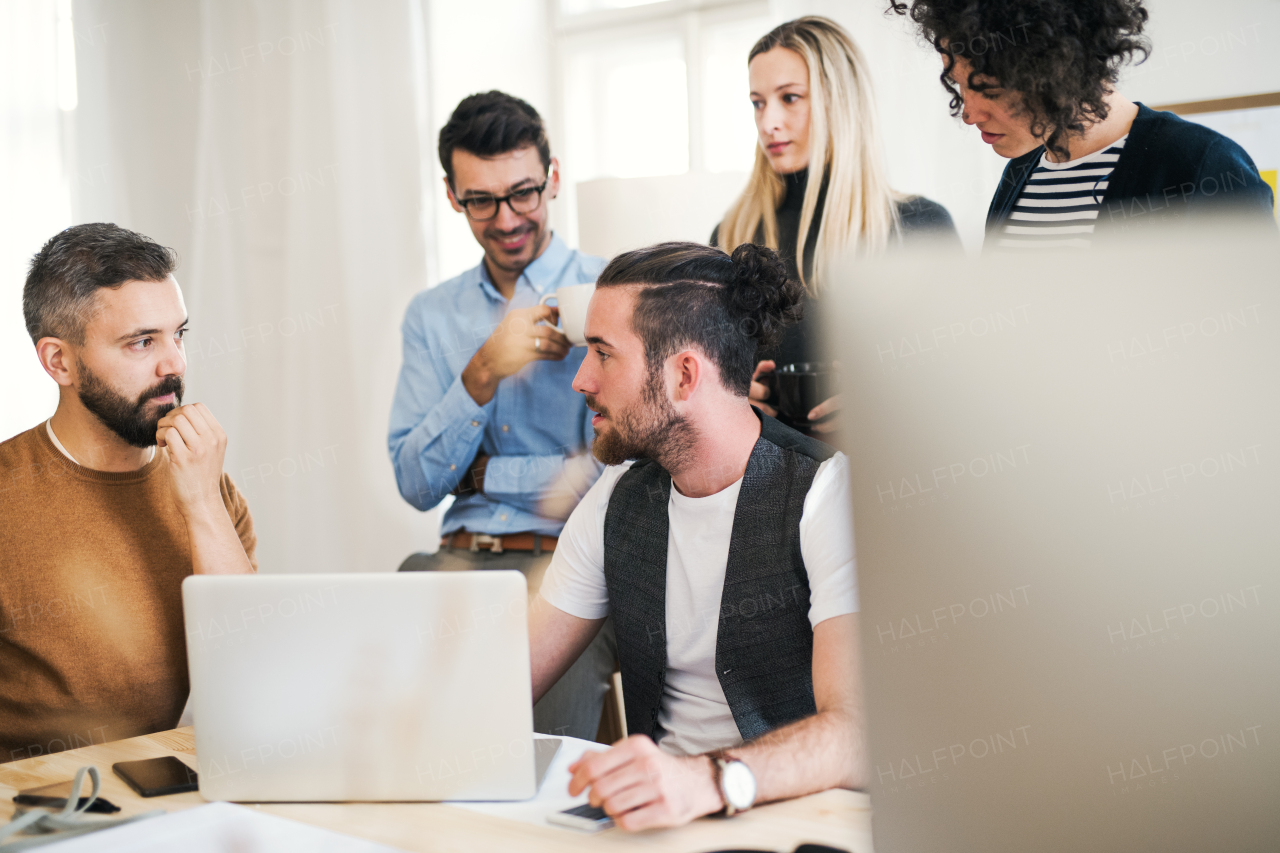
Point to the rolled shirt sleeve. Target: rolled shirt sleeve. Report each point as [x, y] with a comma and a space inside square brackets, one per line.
[436, 428]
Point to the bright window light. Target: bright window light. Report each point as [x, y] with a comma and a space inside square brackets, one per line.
[728, 123]
[577, 7]
[68, 97]
[627, 109]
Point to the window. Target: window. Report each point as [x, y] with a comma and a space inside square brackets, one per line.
[627, 108]
[578, 7]
[728, 123]
[662, 94]
[37, 95]
[650, 89]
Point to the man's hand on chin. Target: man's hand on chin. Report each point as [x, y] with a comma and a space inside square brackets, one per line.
[642, 787]
[196, 445]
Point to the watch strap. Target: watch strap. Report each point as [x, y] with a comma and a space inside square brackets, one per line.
[719, 763]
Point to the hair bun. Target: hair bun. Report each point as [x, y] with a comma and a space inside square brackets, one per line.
[763, 293]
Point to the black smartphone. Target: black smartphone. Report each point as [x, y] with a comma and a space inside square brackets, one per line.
[585, 817]
[156, 777]
[55, 797]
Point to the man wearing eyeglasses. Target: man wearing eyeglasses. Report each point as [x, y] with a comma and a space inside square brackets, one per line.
[484, 408]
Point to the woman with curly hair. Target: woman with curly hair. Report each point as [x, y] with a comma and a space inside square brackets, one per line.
[815, 113]
[1038, 79]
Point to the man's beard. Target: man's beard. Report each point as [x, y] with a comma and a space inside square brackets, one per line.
[650, 429]
[501, 261]
[124, 417]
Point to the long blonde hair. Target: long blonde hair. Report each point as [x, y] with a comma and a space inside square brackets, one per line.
[860, 214]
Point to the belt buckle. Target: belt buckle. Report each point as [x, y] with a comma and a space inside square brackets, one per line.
[494, 543]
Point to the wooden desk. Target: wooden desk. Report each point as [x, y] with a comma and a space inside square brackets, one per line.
[839, 818]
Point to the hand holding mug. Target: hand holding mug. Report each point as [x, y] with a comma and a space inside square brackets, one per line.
[521, 337]
[807, 393]
[573, 301]
[829, 406]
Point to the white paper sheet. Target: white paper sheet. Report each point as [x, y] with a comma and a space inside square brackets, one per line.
[553, 794]
[218, 828]
[224, 827]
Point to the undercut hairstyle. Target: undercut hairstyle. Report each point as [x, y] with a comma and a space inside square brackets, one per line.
[690, 295]
[489, 124]
[1061, 57]
[66, 274]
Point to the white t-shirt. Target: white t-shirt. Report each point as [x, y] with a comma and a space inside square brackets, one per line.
[695, 715]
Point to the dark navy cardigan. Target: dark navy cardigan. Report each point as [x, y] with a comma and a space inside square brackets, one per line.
[1171, 171]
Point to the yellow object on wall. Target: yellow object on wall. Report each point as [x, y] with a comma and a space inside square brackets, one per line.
[1270, 177]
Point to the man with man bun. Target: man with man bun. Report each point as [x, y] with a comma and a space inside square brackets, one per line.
[720, 544]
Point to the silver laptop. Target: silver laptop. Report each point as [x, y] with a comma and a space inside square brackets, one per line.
[1066, 479]
[377, 687]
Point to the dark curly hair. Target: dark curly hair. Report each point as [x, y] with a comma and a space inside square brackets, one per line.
[695, 295]
[1061, 57]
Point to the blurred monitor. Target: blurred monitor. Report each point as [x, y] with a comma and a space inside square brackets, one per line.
[1066, 478]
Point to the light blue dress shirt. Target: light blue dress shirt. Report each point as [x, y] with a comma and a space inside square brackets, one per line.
[536, 430]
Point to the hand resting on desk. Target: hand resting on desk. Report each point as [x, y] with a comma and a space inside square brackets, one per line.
[642, 787]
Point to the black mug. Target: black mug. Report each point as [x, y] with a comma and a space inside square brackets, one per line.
[803, 386]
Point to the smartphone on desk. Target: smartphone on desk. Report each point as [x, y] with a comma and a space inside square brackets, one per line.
[55, 796]
[585, 817]
[156, 777]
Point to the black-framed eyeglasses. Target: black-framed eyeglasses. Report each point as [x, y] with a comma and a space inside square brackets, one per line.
[482, 208]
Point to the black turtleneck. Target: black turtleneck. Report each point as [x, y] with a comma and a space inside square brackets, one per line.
[788, 216]
[800, 341]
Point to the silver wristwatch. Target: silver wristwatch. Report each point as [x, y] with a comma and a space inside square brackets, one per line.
[737, 784]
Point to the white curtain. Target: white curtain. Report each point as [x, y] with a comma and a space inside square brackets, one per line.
[279, 147]
[33, 188]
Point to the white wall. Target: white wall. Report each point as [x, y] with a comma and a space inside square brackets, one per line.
[1205, 49]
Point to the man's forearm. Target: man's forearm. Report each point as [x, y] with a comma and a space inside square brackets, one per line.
[215, 546]
[814, 754]
[479, 379]
[432, 456]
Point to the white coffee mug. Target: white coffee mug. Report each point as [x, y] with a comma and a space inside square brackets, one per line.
[572, 301]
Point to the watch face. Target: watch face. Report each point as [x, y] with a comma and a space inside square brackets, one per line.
[739, 785]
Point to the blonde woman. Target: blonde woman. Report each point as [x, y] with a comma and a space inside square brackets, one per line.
[815, 113]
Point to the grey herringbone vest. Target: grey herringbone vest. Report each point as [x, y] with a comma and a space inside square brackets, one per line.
[764, 643]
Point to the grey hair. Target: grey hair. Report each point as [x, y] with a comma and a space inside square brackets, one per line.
[59, 297]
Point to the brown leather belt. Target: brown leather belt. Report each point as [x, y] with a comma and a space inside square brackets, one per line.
[535, 542]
